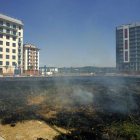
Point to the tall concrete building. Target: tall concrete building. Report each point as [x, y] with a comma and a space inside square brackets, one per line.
[128, 48]
[11, 43]
[30, 58]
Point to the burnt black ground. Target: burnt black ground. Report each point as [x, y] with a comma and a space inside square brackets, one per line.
[113, 99]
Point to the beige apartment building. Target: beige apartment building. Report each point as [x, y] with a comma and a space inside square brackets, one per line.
[30, 59]
[11, 44]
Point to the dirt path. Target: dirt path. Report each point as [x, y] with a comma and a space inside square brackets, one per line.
[30, 130]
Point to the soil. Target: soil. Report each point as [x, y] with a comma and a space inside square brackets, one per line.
[30, 130]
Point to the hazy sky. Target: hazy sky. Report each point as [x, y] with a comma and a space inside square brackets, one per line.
[73, 32]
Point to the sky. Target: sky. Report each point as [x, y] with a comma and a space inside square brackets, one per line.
[73, 33]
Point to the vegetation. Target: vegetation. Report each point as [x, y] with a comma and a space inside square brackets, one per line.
[6, 67]
[129, 130]
[31, 67]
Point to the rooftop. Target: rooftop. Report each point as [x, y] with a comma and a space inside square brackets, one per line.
[30, 46]
[10, 19]
[130, 25]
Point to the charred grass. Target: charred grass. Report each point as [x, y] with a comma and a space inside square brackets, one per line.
[111, 112]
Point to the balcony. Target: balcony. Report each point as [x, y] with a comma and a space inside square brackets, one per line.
[120, 54]
[8, 27]
[19, 53]
[10, 33]
[19, 47]
[134, 53]
[133, 56]
[120, 43]
[19, 59]
[131, 37]
[120, 46]
[133, 60]
[131, 30]
[132, 33]
[138, 28]
[132, 41]
[19, 41]
[121, 50]
[132, 46]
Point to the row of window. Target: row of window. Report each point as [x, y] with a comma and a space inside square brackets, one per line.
[7, 63]
[8, 25]
[7, 50]
[7, 56]
[8, 44]
[8, 37]
[8, 31]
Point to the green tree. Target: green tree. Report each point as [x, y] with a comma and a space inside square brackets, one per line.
[6, 67]
[31, 67]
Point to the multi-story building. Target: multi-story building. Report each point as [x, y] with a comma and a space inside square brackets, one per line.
[128, 48]
[11, 43]
[30, 58]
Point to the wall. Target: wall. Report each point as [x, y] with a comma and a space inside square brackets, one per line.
[30, 72]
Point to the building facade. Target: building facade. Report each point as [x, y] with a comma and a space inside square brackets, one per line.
[49, 70]
[30, 58]
[11, 44]
[128, 48]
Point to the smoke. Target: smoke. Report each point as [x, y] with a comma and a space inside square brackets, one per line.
[83, 97]
[104, 94]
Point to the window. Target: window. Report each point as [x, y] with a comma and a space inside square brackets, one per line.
[126, 58]
[14, 32]
[1, 56]
[126, 55]
[7, 63]
[13, 63]
[1, 22]
[14, 39]
[14, 26]
[19, 33]
[1, 62]
[7, 50]
[7, 37]
[1, 35]
[126, 44]
[19, 27]
[13, 57]
[1, 49]
[7, 31]
[1, 29]
[1, 42]
[13, 51]
[7, 44]
[14, 44]
[125, 33]
[8, 24]
[7, 56]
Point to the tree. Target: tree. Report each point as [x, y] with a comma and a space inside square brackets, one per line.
[6, 67]
[31, 67]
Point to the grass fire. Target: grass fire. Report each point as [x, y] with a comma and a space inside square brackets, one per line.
[70, 108]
